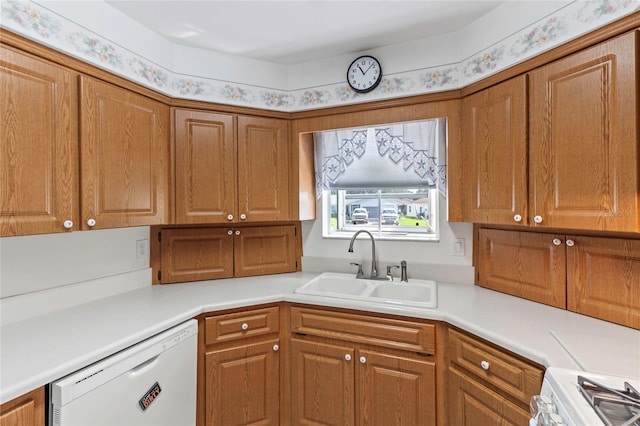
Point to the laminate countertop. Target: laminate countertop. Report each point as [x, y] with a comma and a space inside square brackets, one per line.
[44, 348]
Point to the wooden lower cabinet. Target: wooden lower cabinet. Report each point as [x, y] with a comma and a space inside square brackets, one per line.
[472, 404]
[243, 385]
[239, 368]
[340, 380]
[488, 385]
[26, 410]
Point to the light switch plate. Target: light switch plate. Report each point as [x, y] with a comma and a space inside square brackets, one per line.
[457, 248]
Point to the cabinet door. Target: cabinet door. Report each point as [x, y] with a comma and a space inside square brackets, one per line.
[242, 385]
[603, 276]
[124, 157]
[265, 250]
[26, 410]
[205, 166]
[494, 135]
[196, 254]
[584, 139]
[395, 390]
[472, 404]
[38, 146]
[263, 169]
[524, 264]
[322, 384]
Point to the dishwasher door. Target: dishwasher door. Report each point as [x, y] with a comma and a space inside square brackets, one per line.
[150, 383]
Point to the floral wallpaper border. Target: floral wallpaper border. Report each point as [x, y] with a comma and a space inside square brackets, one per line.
[33, 21]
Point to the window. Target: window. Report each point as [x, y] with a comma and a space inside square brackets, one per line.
[385, 179]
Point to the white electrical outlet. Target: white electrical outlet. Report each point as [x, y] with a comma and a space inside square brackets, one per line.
[457, 248]
[142, 248]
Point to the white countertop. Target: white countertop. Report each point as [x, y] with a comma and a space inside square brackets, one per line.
[44, 348]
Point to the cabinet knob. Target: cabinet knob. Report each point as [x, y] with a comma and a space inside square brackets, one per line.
[517, 218]
[68, 224]
[276, 348]
[91, 222]
[347, 357]
[245, 326]
[570, 243]
[238, 232]
[230, 217]
[230, 232]
[557, 241]
[243, 216]
[484, 365]
[537, 219]
[363, 360]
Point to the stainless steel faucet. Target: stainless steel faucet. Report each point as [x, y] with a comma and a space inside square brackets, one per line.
[374, 264]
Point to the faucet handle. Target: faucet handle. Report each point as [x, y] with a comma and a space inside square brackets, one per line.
[360, 273]
[389, 267]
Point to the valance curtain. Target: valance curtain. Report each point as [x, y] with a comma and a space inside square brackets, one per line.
[407, 155]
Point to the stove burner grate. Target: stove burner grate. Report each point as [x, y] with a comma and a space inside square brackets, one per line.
[614, 407]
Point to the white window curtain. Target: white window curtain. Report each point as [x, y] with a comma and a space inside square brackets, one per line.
[406, 155]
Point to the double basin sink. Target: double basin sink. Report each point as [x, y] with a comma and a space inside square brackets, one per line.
[415, 293]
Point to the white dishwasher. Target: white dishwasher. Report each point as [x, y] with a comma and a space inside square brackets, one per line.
[150, 383]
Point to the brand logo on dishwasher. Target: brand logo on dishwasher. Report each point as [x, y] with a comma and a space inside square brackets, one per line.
[150, 396]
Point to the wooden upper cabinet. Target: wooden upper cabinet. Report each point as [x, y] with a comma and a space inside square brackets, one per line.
[38, 146]
[603, 277]
[264, 250]
[525, 264]
[124, 157]
[263, 169]
[584, 139]
[494, 134]
[230, 168]
[205, 166]
[196, 254]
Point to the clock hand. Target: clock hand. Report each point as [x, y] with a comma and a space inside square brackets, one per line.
[367, 69]
[363, 72]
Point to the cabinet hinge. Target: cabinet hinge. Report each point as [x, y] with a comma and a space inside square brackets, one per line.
[295, 232]
[160, 236]
[159, 275]
[478, 276]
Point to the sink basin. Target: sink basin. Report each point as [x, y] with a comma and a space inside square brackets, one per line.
[415, 293]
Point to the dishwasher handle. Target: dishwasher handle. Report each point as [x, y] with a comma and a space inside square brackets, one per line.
[144, 366]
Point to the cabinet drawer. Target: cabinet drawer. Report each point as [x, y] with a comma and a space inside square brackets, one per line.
[223, 328]
[506, 372]
[390, 333]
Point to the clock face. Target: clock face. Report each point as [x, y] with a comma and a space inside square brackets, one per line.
[364, 74]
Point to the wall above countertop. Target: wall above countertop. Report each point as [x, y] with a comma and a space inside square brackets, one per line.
[100, 35]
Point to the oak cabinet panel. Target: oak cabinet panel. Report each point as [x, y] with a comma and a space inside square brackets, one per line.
[595, 276]
[472, 404]
[196, 254]
[230, 168]
[584, 139]
[239, 368]
[486, 384]
[495, 154]
[263, 169]
[560, 151]
[205, 166]
[26, 410]
[124, 157]
[603, 276]
[523, 264]
[354, 383]
[395, 390]
[39, 146]
[243, 385]
[322, 383]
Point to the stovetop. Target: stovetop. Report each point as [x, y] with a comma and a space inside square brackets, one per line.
[561, 385]
[615, 407]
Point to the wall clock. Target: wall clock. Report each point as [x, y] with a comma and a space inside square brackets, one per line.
[364, 74]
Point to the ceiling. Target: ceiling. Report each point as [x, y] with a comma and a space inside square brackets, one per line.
[298, 31]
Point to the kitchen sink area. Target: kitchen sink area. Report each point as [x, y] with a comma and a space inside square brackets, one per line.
[415, 293]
